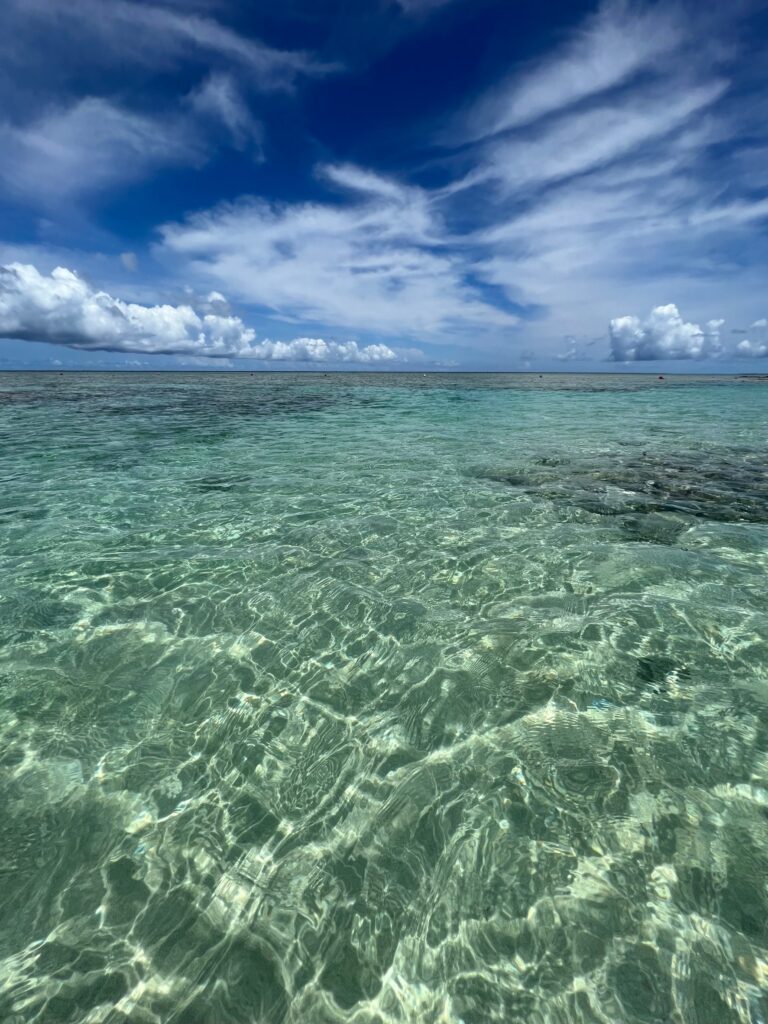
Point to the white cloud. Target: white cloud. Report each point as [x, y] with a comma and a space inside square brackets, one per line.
[740, 212]
[57, 145]
[663, 335]
[87, 147]
[752, 349]
[616, 44]
[376, 262]
[604, 162]
[62, 309]
[317, 350]
[141, 32]
[647, 224]
[599, 169]
[572, 351]
[755, 349]
[591, 139]
[219, 98]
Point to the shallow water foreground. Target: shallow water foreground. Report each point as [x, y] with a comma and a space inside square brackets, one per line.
[383, 698]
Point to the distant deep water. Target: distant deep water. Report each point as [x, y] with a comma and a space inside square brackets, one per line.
[383, 699]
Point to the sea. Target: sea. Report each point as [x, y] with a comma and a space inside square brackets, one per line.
[371, 698]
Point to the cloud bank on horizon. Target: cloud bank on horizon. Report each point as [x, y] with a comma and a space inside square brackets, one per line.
[61, 309]
[594, 176]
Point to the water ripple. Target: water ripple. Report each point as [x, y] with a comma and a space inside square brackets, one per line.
[383, 699]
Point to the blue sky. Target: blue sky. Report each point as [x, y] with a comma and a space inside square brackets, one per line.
[384, 184]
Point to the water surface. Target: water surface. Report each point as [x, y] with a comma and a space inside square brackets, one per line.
[383, 698]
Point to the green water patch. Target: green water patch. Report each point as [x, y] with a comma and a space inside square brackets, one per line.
[302, 718]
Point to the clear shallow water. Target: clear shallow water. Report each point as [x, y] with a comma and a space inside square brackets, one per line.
[383, 699]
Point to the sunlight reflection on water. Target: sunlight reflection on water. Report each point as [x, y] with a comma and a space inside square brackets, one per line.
[383, 698]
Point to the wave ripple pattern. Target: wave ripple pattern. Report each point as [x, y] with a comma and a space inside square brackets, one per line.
[383, 699]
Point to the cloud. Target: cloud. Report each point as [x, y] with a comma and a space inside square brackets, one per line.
[605, 221]
[619, 42]
[130, 261]
[569, 355]
[574, 349]
[752, 349]
[375, 261]
[145, 33]
[663, 335]
[220, 99]
[87, 147]
[604, 170]
[317, 350]
[62, 138]
[600, 177]
[590, 139]
[62, 309]
[755, 349]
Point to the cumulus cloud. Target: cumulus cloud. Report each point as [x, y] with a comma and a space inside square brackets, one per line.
[663, 335]
[61, 308]
[377, 261]
[752, 349]
[317, 350]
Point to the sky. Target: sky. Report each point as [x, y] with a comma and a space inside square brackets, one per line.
[384, 185]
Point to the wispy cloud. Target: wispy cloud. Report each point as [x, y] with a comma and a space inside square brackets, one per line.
[591, 180]
[90, 146]
[145, 33]
[62, 309]
[619, 42]
[219, 98]
[604, 177]
[64, 134]
[623, 167]
[578, 143]
[375, 261]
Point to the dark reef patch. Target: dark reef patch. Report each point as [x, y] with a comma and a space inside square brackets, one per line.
[652, 491]
[221, 483]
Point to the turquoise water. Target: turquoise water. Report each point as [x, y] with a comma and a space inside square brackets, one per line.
[379, 698]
